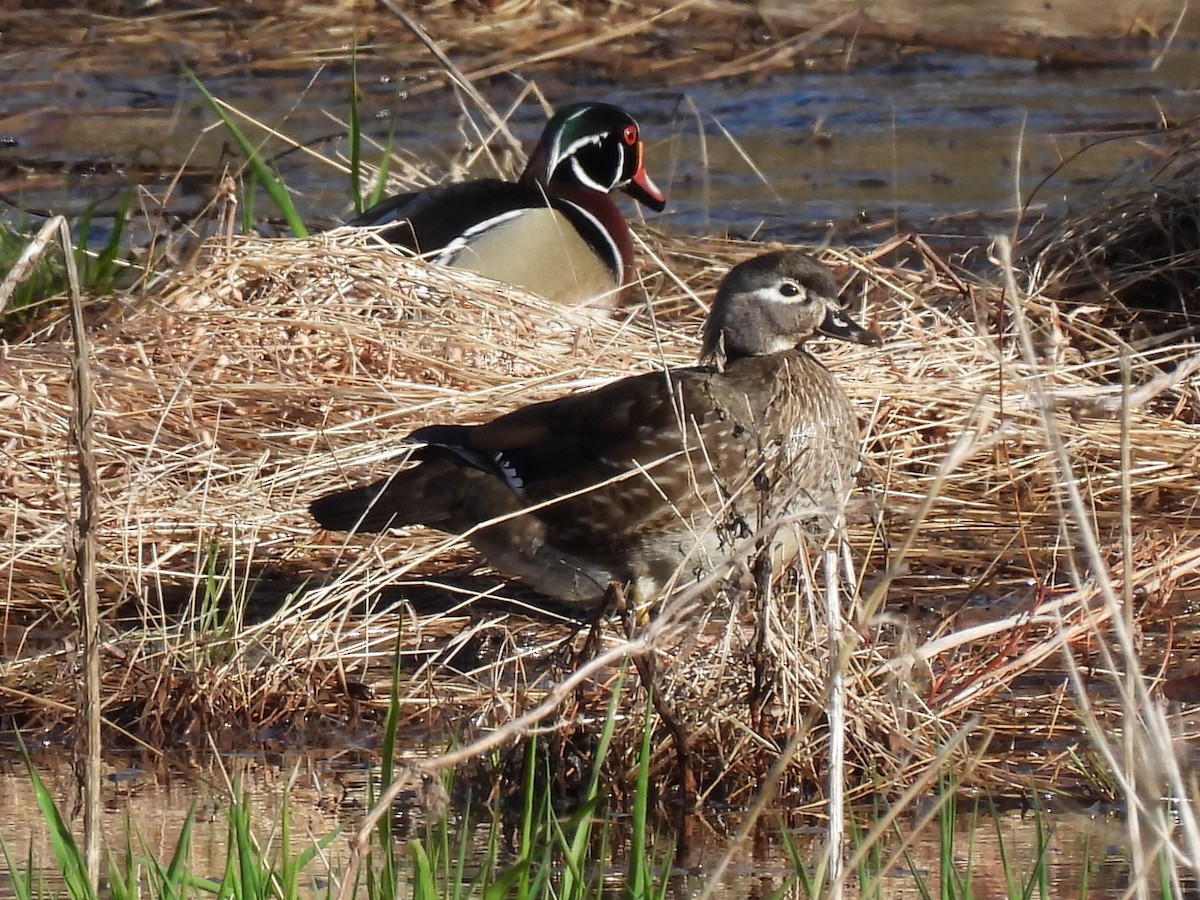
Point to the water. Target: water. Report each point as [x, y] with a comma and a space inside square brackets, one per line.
[940, 141]
[150, 800]
[937, 137]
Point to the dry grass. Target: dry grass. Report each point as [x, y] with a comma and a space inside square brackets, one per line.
[637, 41]
[1137, 241]
[231, 394]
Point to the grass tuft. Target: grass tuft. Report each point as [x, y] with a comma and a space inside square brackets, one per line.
[260, 171]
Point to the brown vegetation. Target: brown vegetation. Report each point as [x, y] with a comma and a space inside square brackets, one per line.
[678, 42]
[1137, 241]
[231, 393]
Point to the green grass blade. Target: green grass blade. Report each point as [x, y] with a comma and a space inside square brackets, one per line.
[799, 869]
[20, 883]
[580, 825]
[638, 878]
[920, 881]
[501, 886]
[575, 850]
[487, 861]
[423, 883]
[70, 860]
[355, 135]
[1006, 867]
[288, 869]
[264, 174]
[123, 883]
[950, 881]
[530, 796]
[391, 724]
[380, 188]
[253, 871]
[1039, 878]
[383, 830]
[463, 854]
[100, 274]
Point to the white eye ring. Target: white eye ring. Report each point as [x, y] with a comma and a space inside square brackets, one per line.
[790, 289]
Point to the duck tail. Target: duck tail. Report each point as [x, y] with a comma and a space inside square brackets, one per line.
[441, 492]
[364, 508]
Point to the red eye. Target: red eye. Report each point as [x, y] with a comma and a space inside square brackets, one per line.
[629, 135]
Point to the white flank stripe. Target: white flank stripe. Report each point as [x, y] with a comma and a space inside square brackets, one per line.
[452, 249]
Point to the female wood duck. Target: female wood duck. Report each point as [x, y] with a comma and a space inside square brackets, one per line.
[555, 231]
[652, 478]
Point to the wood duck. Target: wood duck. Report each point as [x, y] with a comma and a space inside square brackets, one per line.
[555, 231]
[655, 478]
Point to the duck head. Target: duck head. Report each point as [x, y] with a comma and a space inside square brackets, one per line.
[776, 302]
[596, 147]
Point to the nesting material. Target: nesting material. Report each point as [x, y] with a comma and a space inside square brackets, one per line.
[232, 394]
[1137, 241]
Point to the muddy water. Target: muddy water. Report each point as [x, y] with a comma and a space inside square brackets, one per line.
[151, 801]
[930, 140]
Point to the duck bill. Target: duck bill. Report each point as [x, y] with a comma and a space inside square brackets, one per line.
[642, 189]
[839, 325]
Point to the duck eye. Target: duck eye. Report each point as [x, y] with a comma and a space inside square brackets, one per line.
[789, 289]
[629, 134]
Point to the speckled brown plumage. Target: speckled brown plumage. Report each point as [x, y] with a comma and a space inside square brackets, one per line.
[651, 477]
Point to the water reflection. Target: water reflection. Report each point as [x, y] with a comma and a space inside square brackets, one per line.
[1084, 847]
[918, 140]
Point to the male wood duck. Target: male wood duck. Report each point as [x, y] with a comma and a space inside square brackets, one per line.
[653, 477]
[555, 231]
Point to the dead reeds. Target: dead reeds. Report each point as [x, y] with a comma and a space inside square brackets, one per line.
[1137, 242]
[674, 42]
[233, 393]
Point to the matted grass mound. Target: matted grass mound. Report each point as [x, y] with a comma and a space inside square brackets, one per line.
[1137, 241]
[230, 397]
